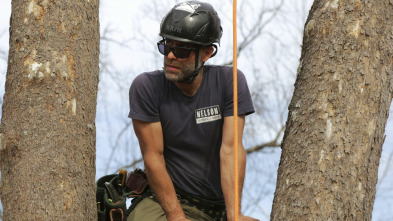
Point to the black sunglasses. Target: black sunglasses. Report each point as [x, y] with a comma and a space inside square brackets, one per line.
[179, 52]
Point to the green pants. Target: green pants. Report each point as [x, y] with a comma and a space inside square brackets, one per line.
[149, 210]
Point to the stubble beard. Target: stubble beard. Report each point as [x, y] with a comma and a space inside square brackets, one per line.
[185, 72]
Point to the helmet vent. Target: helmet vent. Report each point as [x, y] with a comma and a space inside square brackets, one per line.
[202, 31]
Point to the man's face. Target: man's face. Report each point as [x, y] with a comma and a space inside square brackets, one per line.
[179, 69]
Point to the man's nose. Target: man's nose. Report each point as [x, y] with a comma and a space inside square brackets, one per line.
[171, 55]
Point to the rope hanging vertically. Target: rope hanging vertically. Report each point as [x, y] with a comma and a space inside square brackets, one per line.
[235, 114]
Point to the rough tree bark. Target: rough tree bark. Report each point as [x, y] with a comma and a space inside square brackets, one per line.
[336, 123]
[48, 122]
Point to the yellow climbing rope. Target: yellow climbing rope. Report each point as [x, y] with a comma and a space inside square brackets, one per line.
[235, 117]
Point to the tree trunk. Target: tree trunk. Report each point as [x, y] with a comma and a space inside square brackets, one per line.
[48, 122]
[336, 123]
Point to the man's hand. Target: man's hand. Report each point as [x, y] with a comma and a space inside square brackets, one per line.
[246, 218]
[178, 218]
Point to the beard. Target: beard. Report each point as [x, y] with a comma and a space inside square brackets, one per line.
[183, 72]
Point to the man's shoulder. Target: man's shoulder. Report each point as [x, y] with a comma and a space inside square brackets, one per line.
[221, 69]
[148, 81]
[222, 73]
[156, 75]
[152, 77]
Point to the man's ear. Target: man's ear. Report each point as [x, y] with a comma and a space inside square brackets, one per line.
[207, 53]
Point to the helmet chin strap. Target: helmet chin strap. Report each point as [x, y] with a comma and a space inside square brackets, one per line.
[191, 78]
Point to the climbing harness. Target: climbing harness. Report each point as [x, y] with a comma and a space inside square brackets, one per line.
[112, 194]
[113, 190]
[215, 210]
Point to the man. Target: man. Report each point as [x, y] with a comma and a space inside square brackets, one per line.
[183, 118]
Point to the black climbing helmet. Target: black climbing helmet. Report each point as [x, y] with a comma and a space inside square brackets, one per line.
[194, 22]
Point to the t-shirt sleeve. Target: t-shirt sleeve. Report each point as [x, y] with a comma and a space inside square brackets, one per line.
[144, 99]
[245, 105]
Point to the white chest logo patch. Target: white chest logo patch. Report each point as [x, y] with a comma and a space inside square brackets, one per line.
[207, 114]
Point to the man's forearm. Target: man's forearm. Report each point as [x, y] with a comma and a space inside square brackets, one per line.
[163, 188]
[150, 139]
[228, 179]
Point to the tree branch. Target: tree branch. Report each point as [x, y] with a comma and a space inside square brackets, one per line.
[132, 165]
[116, 145]
[273, 143]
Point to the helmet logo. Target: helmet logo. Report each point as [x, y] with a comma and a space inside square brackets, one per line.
[188, 7]
[173, 29]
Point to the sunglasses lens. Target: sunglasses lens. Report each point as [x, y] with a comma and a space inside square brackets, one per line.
[181, 52]
[161, 49]
[167, 49]
[177, 51]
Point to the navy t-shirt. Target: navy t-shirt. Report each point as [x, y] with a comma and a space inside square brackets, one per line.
[192, 126]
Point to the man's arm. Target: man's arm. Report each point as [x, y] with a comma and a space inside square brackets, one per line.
[152, 147]
[227, 166]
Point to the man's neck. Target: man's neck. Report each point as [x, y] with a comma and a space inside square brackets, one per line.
[191, 89]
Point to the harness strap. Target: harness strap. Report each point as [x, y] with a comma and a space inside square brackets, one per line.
[216, 210]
